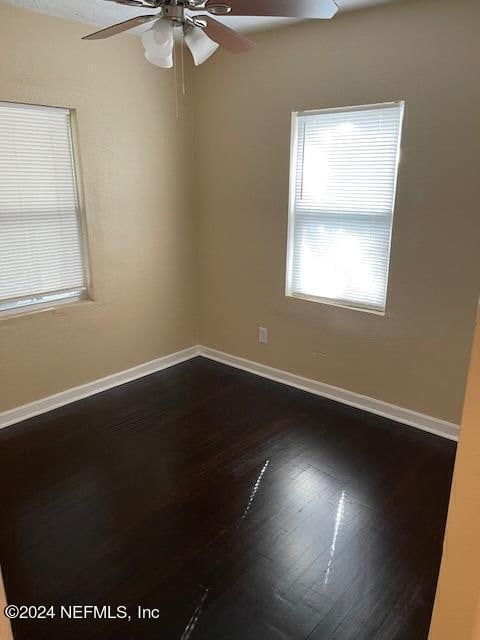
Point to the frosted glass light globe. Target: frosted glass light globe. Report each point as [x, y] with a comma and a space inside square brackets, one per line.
[201, 46]
[158, 40]
[166, 62]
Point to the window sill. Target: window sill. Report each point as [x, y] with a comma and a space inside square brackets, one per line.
[48, 307]
[335, 303]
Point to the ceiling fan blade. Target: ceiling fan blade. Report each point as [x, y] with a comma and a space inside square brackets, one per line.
[121, 27]
[227, 38]
[146, 4]
[281, 8]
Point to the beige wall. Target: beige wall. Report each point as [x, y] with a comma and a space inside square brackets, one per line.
[457, 606]
[424, 52]
[141, 227]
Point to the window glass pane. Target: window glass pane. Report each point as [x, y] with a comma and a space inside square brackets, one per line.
[343, 182]
[334, 260]
[41, 251]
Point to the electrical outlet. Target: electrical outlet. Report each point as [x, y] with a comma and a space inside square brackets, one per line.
[262, 335]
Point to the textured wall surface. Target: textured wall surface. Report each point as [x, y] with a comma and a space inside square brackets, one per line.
[135, 154]
[143, 227]
[423, 52]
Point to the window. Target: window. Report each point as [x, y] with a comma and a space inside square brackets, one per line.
[41, 253]
[342, 193]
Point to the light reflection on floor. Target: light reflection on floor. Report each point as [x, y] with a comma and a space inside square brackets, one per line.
[192, 623]
[338, 522]
[254, 490]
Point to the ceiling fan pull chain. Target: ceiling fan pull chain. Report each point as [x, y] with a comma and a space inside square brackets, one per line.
[175, 64]
[183, 61]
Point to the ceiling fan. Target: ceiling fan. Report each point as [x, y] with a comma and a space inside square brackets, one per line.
[202, 33]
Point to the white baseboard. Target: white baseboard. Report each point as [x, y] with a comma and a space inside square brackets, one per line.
[398, 414]
[44, 405]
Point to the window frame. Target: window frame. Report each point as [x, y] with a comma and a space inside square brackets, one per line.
[335, 302]
[87, 293]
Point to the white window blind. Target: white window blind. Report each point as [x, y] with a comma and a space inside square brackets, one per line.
[342, 194]
[41, 253]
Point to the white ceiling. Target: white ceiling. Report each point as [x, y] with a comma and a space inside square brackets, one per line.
[102, 13]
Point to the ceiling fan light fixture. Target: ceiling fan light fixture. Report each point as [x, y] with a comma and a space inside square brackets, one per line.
[165, 62]
[158, 41]
[203, 32]
[200, 45]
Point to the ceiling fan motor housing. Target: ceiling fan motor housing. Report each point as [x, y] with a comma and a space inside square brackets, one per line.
[174, 11]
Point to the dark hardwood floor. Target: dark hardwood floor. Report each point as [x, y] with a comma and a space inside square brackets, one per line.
[240, 508]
